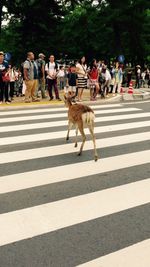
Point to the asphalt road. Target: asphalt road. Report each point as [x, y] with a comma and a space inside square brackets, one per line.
[61, 210]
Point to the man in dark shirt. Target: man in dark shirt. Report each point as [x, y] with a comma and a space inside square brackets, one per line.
[41, 70]
[72, 81]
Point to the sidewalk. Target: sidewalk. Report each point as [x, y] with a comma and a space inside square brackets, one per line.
[139, 94]
[20, 101]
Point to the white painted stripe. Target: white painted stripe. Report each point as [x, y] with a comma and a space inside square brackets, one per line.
[43, 125]
[137, 255]
[50, 151]
[42, 110]
[61, 115]
[38, 220]
[136, 102]
[52, 175]
[62, 134]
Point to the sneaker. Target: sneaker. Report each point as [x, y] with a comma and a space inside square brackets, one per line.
[7, 102]
[58, 99]
[1, 102]
[27, 101]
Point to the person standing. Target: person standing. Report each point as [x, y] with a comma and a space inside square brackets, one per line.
[138, 76]
[106, 80]
[72, 82]
[30, 70]
[93, 75]
[81, 69]
[51, 69]
[118, 78]
[129, 77]
[13, 78]
[4, 71]
[61, 77]
[41, 74]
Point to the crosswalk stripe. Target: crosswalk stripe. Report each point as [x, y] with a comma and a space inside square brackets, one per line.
[30, 222]
[44, 216]
[50, 151]
[136, 255]
[20, 181]
[44, 110]
[62, 134]
[22, 127]
[61, 115]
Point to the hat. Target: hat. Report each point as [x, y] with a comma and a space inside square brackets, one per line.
[41, 55]
[1, 53]
[138, 66]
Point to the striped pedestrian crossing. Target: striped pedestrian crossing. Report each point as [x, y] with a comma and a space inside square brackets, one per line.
[64, 122]
[61, 210]
[125, 257]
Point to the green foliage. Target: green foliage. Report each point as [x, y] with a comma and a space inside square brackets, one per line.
[102, 29]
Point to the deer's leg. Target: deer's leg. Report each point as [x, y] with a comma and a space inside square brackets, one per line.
[91, 129]
[80, 126]
[76, 142]
[70, 124]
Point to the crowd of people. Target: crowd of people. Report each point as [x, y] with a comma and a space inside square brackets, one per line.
[36, 79]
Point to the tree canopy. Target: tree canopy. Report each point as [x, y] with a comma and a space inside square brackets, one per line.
[104, 29]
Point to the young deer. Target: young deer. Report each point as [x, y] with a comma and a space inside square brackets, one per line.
[81, 116]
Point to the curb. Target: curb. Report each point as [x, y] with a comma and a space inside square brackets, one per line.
[141, 95]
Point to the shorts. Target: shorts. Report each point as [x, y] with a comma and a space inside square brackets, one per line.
[70, 89]
[93, 83]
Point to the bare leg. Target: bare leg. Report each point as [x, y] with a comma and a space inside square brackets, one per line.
[80, 92]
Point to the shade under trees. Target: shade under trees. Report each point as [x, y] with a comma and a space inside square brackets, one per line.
[101, 29]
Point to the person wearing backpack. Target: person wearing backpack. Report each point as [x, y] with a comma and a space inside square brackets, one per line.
[51, 69]
[41, 74]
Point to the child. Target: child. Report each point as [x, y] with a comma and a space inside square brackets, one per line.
[61, 76]
[71, 82]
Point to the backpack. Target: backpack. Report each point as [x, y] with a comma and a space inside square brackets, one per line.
[56, 66]
[40, 64]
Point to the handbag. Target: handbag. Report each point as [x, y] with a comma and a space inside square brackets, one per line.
[5, 77]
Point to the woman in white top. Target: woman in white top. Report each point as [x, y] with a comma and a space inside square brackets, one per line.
[13, 78]
[81, 69]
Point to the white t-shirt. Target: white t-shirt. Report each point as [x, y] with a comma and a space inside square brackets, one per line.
[81, 70]
[61, 73]
[12, 75]
[50, 69]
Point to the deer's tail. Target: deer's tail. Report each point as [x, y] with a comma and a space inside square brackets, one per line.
[88, 117]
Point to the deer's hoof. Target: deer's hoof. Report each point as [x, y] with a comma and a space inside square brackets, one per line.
[79, 154]
[67, 138]
[96, 158]
[76, 145]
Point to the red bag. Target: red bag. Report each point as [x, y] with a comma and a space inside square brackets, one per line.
[5, 77]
